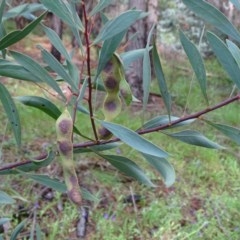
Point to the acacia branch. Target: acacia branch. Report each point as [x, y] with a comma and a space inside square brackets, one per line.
[164, 126]
[86, 34]
[141, 132]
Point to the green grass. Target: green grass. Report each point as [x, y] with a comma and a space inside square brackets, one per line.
[202, 204]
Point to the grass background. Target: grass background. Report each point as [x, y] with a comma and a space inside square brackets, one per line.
[202, 204]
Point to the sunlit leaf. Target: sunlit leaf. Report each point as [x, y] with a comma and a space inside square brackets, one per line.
[118, 25]
[231, 132]
[163, 167]
[164, 120]
[37, 70]
[225, 57]
[12, 70]
[55, 65]
[5, 198]
[129, 168]
[213, 16]
[12, 112]
[16, 36]
[194, 138]
[196, 62]
[17, 230]
[100, 6]
[161, 79]
[134, 140]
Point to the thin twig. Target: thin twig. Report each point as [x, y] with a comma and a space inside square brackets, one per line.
[140, 132]
[86, 34]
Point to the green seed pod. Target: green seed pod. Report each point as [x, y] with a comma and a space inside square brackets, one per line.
[112, 106]
[104, 134]
[64, 129]
[111, 84]
[64, 125]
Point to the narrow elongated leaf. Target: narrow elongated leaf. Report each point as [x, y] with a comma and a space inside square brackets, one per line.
[129, 168]
[147, 70]
[194, 138]
[236, 3]
[213, 16]
[100, 6]
[108, 48]
[37, 70]
[12, 112]
[17, 230]
[49, 182]
[97, 148]
[161, 79]
[118, 25]
[131, 56]
[196, 62]
[134, 140]
[31, 166]
[63, 10]
[5, 198]
[42, 104]
[18, 35]
[55, 65]
[231, 132]
[2, 6]
[163, 167]
[225, 57]
[2, 27]
[56, 42]
[24, 10]
[12, 70]
[235, 51]
[164, 120]
[57, 185]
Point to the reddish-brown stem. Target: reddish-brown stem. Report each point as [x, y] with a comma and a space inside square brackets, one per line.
[86, 34]
[141, 132]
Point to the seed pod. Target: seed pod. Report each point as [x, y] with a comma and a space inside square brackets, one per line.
[104, 133]
[64, 129]
[112, 106]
